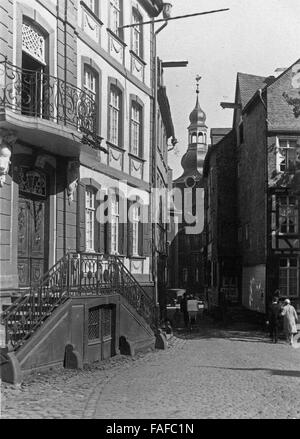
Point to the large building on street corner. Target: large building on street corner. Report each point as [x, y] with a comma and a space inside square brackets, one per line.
[253, 195]
[77, 125]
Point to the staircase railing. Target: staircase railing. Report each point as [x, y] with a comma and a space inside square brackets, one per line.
[27, 313]
[136, 295]
[84, 274]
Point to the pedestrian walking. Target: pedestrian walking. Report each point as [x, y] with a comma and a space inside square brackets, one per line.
[192, 309]
[290, 319]
[183, 309]
[274, 319]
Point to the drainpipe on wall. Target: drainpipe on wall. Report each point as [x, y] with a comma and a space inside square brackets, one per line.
[266, 200]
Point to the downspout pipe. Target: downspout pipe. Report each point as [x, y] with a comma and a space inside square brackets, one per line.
[267, 225]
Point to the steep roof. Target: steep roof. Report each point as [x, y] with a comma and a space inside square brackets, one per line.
[270, 81]
[249, 84]
[219, 131]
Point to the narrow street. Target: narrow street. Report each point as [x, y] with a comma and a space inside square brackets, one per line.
[208, 374]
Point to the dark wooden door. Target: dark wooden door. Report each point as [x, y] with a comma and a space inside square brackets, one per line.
[31, 241]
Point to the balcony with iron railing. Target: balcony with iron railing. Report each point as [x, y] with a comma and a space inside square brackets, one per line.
[44, 110]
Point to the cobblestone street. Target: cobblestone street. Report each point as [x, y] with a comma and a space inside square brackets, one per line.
[210, 373]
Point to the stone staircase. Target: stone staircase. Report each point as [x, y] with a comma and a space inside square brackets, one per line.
[75, 275]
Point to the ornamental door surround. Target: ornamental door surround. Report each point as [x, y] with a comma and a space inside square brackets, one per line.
[32, 226]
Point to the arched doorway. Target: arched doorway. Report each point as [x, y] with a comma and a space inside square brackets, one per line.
[33, 226]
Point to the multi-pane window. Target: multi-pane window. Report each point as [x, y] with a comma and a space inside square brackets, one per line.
[90, 80]
[90, 84]
[94, 324]
[100, 323]
[135, 229]
[287, 154]
[288, 215]
[90, 213]
[136, 129]
[289, 276]
[115, 16]
[115, 115]
[115, 224]
[137, 35]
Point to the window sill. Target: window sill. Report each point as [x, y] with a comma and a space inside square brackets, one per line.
[136, 157]
[137, 258]
[138, 57]
[111, 33]
[112, 145]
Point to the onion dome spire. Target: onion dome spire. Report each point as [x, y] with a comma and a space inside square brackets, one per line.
[197, 116]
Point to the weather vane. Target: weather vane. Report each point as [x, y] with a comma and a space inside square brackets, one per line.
[198, 79]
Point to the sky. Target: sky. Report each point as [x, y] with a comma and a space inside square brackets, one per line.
[254, 36]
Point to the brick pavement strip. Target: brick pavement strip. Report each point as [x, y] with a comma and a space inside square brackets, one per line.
[210, 373]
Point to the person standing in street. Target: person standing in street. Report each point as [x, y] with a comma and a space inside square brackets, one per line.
[290, 319]
[274, 319]
[183, 309]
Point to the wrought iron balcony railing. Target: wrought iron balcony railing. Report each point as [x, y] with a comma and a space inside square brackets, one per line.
[36, 94]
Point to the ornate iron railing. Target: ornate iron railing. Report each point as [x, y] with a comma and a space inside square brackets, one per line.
[75, 275]
[37, 94]
[136, 295]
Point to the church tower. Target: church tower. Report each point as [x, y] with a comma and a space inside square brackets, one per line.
[193, 160]
[189, 244]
